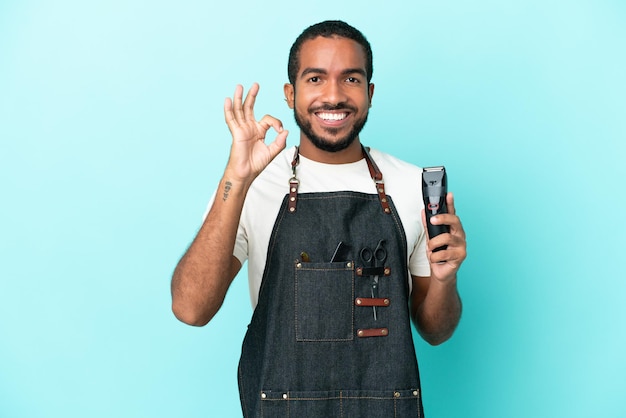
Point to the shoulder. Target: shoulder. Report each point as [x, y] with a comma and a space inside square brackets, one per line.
[403, 183]
[392, 166]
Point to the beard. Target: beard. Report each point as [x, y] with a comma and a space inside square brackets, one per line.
[326, 144]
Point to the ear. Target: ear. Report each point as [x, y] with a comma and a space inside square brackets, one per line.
[289, 95]
[371, 92]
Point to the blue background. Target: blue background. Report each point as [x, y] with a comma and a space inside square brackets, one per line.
[112, 141]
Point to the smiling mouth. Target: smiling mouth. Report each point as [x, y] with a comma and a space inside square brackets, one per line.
[331, 116]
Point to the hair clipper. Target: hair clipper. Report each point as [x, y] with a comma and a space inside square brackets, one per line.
[434, 191]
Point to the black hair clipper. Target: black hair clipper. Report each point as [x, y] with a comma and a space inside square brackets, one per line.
[434, 191]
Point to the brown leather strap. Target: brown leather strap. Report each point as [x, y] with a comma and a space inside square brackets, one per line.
[377, 176]
[375, 172]
[294, 182]
[295, 161]
[372, 302]
[371, 165]
[293, 194]
[373, 271]
[372, 332]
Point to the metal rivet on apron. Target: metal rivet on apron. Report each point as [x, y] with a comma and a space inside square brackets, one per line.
[383, 331]
[349, 265]
[396, 394]
[299, 265]
[293, 190]
[263, 396]
[387, 210]
[360, 333]
[293, 199]
[292, 209]
[387, 271]
[415, 393]
[284, 396]
[359, 301]
[386, 301]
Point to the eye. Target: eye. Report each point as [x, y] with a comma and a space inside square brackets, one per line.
[353, 80]
[314, 79]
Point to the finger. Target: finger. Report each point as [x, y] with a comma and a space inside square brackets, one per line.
[440, 241]
[248, 104]
[450, 217]
[444, 218]
[269, 121]
[439, 257]
[453, 256]
[455, 248]
[453, 222]
[450, 203]
[229, 116]
[430, 247]
[456, 228]
[435, 220]
[237, 106]
[278, 144]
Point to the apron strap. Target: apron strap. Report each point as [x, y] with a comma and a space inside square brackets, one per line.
[294, 182]
[375, 173]
[377, 176]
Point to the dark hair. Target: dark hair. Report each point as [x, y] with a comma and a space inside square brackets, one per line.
[328, 29]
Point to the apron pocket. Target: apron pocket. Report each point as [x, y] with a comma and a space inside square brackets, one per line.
[324, 306]
[342, 403]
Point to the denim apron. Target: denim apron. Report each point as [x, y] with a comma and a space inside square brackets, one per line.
[315, 347]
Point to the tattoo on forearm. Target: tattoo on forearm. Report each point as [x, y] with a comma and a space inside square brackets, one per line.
[227, 186]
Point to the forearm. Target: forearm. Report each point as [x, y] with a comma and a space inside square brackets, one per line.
[439, 313]
[204, 273]
[206, 270]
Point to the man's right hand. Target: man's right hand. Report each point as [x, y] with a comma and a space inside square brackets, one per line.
[249, 154]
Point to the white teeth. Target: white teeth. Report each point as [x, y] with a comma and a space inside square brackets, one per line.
[332, 116]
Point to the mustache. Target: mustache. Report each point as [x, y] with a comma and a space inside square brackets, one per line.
[329, 107]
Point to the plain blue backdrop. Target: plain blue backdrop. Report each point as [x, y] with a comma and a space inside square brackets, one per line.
[112, 140]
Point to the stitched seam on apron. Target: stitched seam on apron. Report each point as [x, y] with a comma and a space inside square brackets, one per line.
[351, 337]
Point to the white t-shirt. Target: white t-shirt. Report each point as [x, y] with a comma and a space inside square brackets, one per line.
[402, 183]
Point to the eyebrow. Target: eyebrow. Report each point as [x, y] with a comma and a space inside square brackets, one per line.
[347, 71]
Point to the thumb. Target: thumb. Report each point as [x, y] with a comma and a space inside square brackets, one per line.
[279, 143]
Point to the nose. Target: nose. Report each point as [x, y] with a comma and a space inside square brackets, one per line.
[334, 93]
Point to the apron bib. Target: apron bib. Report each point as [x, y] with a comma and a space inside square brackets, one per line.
[332, 338]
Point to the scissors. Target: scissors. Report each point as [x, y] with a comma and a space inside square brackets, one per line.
[374, 258]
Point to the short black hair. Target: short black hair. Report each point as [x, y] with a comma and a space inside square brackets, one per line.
[328, 29]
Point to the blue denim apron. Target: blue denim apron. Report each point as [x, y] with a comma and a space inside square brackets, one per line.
[313, 347]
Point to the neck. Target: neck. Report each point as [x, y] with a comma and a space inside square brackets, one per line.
[349, 155]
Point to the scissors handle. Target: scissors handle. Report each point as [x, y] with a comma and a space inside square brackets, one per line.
[380, 254]
[367, 255]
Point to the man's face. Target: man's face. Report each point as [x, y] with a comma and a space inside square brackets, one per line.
[331, 96]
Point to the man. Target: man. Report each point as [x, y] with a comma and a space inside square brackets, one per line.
[334, 235]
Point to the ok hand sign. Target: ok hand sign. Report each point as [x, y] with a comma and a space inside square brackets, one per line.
[249, 154]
